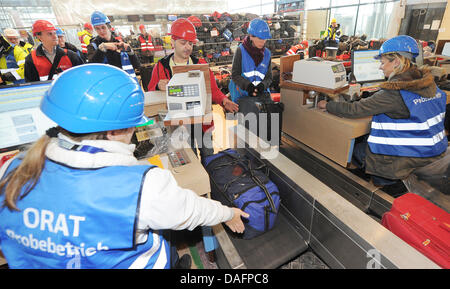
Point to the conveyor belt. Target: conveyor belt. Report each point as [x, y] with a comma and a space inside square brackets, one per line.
[270, 250]
[359, 192]
[313, 217]
[356, 190]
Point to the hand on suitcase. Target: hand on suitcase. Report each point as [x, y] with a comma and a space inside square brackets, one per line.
[235, 224]
[230, 106]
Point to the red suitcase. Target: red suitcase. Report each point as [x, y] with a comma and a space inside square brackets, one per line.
[422, 225]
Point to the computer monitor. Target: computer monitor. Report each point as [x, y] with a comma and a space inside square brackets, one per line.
[21, 120]
[446, 49]
[440, 46]
[365, 67]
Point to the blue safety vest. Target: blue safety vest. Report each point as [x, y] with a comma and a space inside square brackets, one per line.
[420, 135]
[255, 74]
[70, 221]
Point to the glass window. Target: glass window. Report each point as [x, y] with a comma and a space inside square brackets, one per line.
[335, 3]
[371, 1]
[346, 17]
[259, 7]
[317, 4]
[23, 13]
[373, 19]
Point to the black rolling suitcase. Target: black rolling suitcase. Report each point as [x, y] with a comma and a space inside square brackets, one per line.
[267, 114]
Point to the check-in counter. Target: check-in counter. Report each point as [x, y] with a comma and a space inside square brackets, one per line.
[154, 101]
[330, 135]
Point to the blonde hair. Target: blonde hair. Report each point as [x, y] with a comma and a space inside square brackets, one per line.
[405, 63]
[27, 174]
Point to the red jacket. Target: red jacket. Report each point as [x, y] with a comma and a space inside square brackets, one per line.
[162, 71]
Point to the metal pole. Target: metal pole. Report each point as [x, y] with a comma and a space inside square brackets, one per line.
[356, 22]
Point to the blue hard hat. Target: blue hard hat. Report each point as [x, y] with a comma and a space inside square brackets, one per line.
[98, 18]
[259, 28]
[402, 44]
[59, 32]
[94, 97]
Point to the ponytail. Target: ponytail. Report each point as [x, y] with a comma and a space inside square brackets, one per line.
[26, 175]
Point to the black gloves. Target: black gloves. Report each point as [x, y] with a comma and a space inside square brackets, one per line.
[250, 89]
[260, 87]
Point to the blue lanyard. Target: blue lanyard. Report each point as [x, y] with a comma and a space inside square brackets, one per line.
[82, 148]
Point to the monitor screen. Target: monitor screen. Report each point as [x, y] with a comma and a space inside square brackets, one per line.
[446, 49]
[21, 120]
[364, 67]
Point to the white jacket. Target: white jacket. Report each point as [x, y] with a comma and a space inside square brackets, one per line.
[164, 205]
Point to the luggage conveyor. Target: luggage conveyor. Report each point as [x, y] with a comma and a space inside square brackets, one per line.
[312, 217]
[362, 194]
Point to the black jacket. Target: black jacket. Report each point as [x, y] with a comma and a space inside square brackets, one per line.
[95, 55]
[390, 102]
[31, 73]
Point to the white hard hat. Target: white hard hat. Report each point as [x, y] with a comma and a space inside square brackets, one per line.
[10, 32]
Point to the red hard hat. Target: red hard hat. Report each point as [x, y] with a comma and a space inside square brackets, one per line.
[142, 27]
[88, 26]
[195, 20]
[305, 43]
[42, 25]
[183, 29]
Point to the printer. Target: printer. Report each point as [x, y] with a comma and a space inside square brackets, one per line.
[186, 94]
[318, 72]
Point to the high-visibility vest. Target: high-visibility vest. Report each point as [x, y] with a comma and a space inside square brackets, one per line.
[85, 38]
[146, 43]
[14, 63]
[421, 135]
[43, 65]
[66, 222]
[255, 74]
[293, 50]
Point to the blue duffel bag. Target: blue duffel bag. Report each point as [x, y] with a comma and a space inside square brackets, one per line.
[237, 181]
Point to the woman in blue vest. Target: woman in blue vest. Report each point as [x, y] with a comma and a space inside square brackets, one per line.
[407, 130]
[79, 199]
[252, 70]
